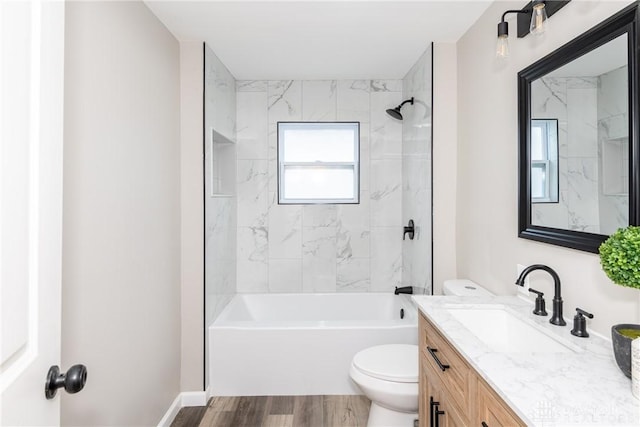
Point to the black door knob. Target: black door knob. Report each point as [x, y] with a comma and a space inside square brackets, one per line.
[73, 380]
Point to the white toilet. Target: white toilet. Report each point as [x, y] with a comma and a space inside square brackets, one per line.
[464, 288]
[388, 374]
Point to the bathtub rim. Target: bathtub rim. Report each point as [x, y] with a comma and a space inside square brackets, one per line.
[221, 321]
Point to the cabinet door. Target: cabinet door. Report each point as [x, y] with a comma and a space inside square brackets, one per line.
[436, 408]
[447, 365]
[423, 400]
[491, 411]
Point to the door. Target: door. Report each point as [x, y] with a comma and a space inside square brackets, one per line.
[31, 113]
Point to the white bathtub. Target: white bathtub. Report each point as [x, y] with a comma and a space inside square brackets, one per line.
[301, 344]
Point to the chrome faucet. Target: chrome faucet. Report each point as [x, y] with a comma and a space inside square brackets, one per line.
[556, 318]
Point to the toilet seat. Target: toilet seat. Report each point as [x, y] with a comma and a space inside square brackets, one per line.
[391, 362]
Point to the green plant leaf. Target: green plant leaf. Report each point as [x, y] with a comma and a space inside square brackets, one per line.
[620, 257]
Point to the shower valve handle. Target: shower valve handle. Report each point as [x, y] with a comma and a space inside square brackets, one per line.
[409, 229]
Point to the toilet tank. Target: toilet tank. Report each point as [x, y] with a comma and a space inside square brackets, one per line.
[464, 288]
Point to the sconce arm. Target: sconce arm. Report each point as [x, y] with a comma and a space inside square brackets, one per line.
[515, 11]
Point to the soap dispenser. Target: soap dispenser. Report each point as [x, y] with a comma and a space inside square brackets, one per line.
[580, 323]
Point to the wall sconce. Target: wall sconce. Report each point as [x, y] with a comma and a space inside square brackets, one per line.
[531, 19]
[538, 17]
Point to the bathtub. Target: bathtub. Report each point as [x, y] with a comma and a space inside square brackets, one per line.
[301, 344]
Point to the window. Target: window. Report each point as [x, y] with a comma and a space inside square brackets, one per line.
[318, 163]
[544, 161]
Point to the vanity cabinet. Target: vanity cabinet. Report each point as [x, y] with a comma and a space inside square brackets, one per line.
[436, 406]
[492, 411]
[451, 391]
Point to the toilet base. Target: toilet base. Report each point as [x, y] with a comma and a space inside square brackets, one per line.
[380, 416]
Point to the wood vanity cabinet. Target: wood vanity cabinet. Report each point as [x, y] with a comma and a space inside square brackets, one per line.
[451, 392]
[436, 407]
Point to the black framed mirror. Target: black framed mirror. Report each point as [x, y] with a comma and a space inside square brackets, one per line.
[577, 194]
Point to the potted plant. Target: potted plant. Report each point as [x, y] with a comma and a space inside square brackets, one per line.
[620, 260]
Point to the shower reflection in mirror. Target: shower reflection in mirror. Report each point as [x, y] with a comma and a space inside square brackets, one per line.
[580, 157]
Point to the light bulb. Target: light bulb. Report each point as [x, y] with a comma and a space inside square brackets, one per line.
[538, 18]
[502, 46]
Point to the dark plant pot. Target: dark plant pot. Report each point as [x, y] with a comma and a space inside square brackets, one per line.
[622, 347]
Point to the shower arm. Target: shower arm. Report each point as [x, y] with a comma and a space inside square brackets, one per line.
[404, 102]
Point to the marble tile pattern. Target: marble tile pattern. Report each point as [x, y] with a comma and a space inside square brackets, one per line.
[582, 387]
[416, 174]
[613, 127]
[221, 212]
[316, 248]
[592, 111]
[220, 95]
[574, 102]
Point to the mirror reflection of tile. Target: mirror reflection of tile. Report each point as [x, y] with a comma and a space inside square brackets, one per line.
[589, 98]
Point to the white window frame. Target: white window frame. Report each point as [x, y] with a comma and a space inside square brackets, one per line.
[282, 165]
[549, 165]
[544, 165]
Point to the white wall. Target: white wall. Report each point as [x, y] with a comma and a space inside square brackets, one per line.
[488, 248]
[445, 152]
[121, 237]
[192, 216]
[319, 248]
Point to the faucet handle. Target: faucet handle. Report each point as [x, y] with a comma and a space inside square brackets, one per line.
[540, 294]
[584, 313]
[540, 309]
[580, 323]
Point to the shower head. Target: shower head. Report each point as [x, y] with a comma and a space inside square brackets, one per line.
[395, 112]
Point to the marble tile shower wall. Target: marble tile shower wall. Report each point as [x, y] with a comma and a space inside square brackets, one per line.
[416, 174]
[319, 248]
[613, 120]
[590, 112]
[573, 101]
[220, 220]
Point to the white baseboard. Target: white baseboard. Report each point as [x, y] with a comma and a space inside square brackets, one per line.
[171, 413]
[184, 399]
[194, 398]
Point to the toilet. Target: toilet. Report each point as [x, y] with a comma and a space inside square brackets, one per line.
[388, 374]
[464, 288]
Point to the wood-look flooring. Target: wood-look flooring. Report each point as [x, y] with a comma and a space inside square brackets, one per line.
[189, 416]
[279, 411]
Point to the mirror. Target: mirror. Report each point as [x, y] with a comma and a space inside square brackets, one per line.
[578, 132]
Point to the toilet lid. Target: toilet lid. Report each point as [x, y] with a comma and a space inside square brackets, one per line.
[391, 362]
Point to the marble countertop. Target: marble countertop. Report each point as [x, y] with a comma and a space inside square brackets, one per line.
[583, 387]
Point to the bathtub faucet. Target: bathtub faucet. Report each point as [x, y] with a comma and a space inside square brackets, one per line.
[403, 290]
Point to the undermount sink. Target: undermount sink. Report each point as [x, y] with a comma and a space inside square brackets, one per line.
[503, 332]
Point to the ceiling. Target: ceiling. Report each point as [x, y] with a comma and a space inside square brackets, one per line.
[274, 40]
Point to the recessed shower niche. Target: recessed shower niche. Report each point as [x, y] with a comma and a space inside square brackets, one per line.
[615, 173]
[221, 161]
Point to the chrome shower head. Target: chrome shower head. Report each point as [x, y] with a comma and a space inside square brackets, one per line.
[395, 112]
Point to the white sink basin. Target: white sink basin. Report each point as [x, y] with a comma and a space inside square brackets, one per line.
[503, 332]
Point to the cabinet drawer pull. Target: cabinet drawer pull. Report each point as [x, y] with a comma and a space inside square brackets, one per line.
[438, 413]
[432, 352]
[432, 404]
